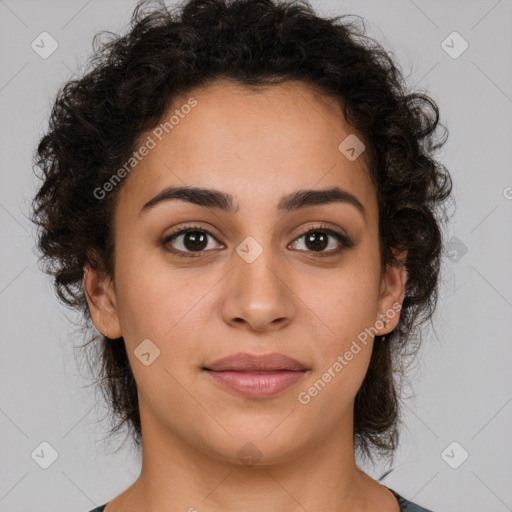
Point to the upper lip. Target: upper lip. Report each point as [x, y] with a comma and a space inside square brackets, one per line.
[243, 362]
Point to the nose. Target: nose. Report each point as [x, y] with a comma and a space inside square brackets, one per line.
[258, 296]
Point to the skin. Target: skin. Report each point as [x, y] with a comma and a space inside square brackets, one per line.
[257, 145]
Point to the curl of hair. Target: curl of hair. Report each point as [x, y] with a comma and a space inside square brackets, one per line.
[97, 120]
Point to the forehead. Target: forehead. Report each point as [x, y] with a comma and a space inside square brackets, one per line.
[254, 142]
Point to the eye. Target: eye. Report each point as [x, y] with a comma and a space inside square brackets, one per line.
[319, 238]
[192, 239]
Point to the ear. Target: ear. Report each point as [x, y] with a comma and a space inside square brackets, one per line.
[392, 293]
[101, 299]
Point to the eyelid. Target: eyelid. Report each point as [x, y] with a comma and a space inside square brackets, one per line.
[345, 241]
[328, 229]
[183, 230]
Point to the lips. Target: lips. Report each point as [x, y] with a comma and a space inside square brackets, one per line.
[244, 362]
[252, 376]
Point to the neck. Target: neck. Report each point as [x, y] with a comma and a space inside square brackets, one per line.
[177, 476]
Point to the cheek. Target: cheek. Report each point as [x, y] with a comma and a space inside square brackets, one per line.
[160, 315]
[344, 309]
[330, 394]
[344, 300]
[347, 311]
[166, 305]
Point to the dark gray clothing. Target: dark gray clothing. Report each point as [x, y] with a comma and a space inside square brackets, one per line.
[405, 505]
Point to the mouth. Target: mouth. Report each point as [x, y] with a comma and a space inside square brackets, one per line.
[260, 376]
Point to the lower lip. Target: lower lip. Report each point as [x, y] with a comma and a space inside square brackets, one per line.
[257, 385]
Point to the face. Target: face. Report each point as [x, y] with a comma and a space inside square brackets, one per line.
[248, 279]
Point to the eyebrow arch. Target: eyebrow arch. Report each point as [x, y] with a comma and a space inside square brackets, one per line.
[211, 198]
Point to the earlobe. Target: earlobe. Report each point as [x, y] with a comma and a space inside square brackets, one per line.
[392, 293]
[102, 302]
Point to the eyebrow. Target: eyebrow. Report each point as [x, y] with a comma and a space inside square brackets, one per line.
[223, 201]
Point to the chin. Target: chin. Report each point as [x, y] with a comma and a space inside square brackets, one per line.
[255, 446]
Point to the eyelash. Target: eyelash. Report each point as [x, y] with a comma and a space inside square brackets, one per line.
[345, 241]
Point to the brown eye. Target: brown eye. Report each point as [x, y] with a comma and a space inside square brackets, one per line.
[195, 240]
[318, 239]
[187, 241]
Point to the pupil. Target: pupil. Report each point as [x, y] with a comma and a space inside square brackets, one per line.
[197, 239]
[310, 239]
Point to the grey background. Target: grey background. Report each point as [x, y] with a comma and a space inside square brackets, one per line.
[462, 380]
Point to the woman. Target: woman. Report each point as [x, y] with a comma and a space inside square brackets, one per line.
[241, 197]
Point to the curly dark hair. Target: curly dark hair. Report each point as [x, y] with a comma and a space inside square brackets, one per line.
[98, 118]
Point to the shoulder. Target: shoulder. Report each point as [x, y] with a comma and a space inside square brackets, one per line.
[408, 506]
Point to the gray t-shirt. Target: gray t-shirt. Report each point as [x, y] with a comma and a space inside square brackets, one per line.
[405, 505]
